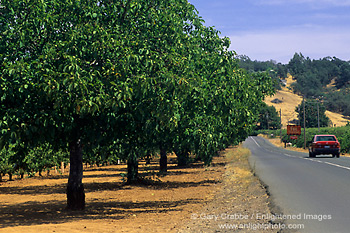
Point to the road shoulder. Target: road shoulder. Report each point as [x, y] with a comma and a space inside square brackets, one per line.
[241, 205]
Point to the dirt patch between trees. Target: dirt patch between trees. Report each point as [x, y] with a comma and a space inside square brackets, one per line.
[186, 200]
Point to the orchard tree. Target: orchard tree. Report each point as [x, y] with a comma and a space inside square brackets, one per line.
[6, 165]
[78, 74]
[58, 80]
[220, 106]
[133, 76]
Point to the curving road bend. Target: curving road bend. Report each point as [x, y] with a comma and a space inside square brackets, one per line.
[312, 193]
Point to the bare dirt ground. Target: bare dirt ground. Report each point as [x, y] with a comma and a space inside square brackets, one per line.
[186, 200]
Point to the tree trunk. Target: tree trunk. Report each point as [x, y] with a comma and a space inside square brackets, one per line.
[182, 158]
[163, 162]
[75, 188]
[148, 159]
[133, 167]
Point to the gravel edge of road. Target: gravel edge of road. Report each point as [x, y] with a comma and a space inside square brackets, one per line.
[242, 193]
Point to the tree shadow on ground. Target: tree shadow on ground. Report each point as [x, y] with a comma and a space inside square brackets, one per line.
[157, 185]
[53, 212]
[34, 190]
[102, 186]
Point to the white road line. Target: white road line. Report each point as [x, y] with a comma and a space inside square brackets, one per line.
[309, 159]
[255, 142]
[314, 160]
[332, 164]
[337, 165]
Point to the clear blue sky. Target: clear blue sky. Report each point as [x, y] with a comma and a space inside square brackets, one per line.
[276, 29]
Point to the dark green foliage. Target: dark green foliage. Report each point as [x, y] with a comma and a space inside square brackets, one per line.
[269, 118]
[35, 160]
[338, 101]
[112, 80]
[315, 76]
[309, 80]
[311, 114]
[343, 78]
[277, 71]
[7, 166]
[320, 72]
[43, 158]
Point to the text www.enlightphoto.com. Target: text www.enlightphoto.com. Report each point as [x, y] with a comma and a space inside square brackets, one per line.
[274, 221]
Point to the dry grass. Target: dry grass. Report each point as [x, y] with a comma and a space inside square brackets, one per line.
[242, 173]
[337, 119]
[241, 193]
[277, 142]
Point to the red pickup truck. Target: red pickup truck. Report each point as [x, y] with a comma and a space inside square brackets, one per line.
[324, 144]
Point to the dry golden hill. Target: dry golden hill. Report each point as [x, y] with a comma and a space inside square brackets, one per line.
[289, 103]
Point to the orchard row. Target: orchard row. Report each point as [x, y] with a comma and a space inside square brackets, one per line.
[131, 78]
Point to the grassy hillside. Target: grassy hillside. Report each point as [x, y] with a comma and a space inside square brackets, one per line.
[326, 79]
[290, 101]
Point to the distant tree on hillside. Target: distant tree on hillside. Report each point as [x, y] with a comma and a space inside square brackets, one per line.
[312, 78]
[276, 70]
[308, 84]
[297, 65]
[343, 79]
[311, 115]
[338, 102]
[268, 118]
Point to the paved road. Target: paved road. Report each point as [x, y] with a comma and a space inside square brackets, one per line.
[314, 191]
